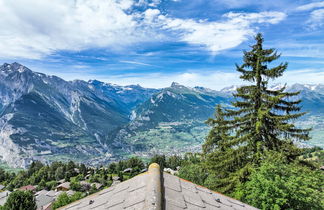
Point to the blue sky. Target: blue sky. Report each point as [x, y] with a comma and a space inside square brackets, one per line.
[155, 42]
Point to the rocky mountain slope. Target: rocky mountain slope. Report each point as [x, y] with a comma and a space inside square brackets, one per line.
[47, 118]
[45, 115]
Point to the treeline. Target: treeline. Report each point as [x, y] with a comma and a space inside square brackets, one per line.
[47, 176]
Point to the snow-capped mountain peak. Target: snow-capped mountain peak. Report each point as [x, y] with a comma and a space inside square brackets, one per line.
[230, 89]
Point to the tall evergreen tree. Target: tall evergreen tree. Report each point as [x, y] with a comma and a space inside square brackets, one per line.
[260, 121]
[217, 134]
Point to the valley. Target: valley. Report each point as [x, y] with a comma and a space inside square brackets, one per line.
[46, 118]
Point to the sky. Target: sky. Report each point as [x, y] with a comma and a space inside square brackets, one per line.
[155, 42]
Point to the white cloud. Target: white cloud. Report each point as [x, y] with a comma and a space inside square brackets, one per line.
[219, 35]
[149, 3]
[155, 3]
[136, 62]
[312, 76]
[34, 29]
[316, 18]
[292, 47]
[310, 6]
[151, 14]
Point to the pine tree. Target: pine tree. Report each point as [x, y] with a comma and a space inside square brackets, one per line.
[218, 132]
[216, 151]
[260, 121]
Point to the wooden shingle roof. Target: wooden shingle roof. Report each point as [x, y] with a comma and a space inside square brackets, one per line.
[160, 191]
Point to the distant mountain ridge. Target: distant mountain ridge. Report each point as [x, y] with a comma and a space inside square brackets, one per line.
[47, 118]
[43, 114]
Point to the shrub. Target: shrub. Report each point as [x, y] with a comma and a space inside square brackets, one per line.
[278, 185]
[20, 200]
[193, 172]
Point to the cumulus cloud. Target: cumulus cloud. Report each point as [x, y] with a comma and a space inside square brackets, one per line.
[34, 29]
[151, 14]
[219, 35]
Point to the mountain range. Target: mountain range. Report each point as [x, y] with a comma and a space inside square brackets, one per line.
[46, 118]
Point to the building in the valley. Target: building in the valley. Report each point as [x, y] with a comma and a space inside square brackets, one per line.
[53, 193]
[41, 192]
[61, 181]
[63, 187]
[159, 191]
[98, 185]
[85, 183]
[28, 187]
[45, 198]
[44, 202]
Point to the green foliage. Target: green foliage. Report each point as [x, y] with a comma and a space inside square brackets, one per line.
[20, 200]
[193, 158]
[46, 176]
[112, 168]
[59, 173]
[136, 164]
[76, 196]
[64, 199]
[217, 133]
[260, 121]
[93, 189]
[122, 165]
[6, 176]
[75, 185]
[34, 166]
[50, 185]
[121, 176]
[42, 184]
[95, 178]
[281, 185]
[174, 161]
[193, 172]
[159, 159]
[83, 169]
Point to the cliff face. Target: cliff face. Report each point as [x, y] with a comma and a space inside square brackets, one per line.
[44, 115]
